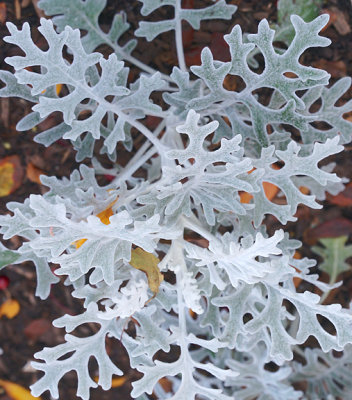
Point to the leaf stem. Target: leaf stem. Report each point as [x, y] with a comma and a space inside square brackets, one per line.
[141, 156]
[178, 37]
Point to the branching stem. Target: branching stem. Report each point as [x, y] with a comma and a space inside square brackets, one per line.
[178, 37]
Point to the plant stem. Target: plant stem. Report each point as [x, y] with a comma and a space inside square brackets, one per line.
[178, 37]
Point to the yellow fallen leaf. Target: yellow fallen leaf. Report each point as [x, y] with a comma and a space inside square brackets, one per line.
[115, 382]
[10, 308]
[16, 392]
[6, 172]
[11, 174]
[78, 243]
[148, 263]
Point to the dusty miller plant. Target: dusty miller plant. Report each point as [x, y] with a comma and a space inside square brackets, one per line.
[212, 145]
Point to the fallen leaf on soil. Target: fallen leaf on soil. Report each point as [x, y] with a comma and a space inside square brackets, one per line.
[38, 10]
[332, 228]
[37, 328]
[166, 384]
[192, 56]
[339, 21]
[3, 12]
[10, 308]
[219, 47]
[17, 392]
[33, 173]
[343, 199]
[270, 190]
[297, 280]
[115, 382]
[148, 263]
[11, 175]
[337, 69]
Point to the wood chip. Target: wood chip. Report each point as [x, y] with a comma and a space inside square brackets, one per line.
[340, 23]
[17, 9]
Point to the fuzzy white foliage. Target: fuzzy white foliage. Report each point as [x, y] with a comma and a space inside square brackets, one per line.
[215, 145]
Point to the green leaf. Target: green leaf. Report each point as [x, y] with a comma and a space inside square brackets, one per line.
[7, 256]
[306, 9]
[334, 253]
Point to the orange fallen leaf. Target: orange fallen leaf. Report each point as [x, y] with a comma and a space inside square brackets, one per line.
[11, 175]
[115, 382]
[10, 308]
[104, 217]
[166, 384]
[192, 314]
[78, 243]
[17, 392]
[58, 88]
[270, 189]
[297, 280]
[304, 190]
[33, 173]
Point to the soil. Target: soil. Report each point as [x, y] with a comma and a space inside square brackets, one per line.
[31, 330]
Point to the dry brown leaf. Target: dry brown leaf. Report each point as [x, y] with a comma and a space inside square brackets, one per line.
[36, 328]
[343, 199]
[3, 12]
[340, 22]
[166, 384]
[39, 11]
[332, 228]
[337, 69]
